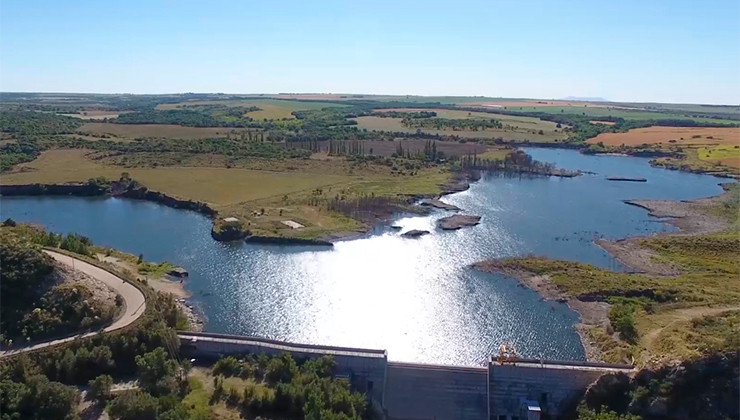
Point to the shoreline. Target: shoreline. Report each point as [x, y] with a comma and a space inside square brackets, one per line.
[164, 285]
[687, 216]
[590, 313]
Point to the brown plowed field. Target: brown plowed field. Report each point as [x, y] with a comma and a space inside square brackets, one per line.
[681, 135]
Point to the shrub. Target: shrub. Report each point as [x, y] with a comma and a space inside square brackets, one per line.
[623, 322]
[100, 388]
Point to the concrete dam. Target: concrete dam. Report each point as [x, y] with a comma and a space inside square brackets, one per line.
[520, 389]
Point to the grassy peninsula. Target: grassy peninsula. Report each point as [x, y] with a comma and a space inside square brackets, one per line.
[682, 303]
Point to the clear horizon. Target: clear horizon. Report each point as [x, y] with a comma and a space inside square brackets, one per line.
[663, 51]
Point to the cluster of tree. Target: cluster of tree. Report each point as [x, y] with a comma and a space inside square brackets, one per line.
[77, 101]
[136, 351]
[623, 125]
[515, 161]
[308, 390]
[24, 270]
[699, 389]
[429, 154]
[17, 152]
[35, 385]
[405, 114]
[184, 117]
[31, 123]
[71, 242]
[35, 397]
[366, 208]
[225, 146]
[456, 124]
[31, 306]
[62, 310]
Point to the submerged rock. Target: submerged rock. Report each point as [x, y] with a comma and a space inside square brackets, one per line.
[457, 221]
[415, 233]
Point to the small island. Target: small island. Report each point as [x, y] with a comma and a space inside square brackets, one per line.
[438, 204]
[625, 179]
[457, 221]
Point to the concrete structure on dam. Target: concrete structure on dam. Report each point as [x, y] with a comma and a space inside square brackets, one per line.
[511, 389]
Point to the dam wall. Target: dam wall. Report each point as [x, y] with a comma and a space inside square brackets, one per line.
[528, 386]
[518, 390]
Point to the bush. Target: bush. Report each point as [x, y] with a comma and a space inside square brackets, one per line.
[281, 369]
[37, 398]
[227, 366]
[135, 405]
[156, 372]
[100, 388]
[623, 322]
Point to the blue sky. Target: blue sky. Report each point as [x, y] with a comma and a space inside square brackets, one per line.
[666, 51]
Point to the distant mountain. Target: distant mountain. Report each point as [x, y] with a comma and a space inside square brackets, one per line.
[584, 99]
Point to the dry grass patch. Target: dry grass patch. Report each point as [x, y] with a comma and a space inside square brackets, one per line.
[677, 135]
[133, 131]
[96, 114]
[218, 186]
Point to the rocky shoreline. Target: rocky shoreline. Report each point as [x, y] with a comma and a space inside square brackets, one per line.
[92, 190]
[592, 313]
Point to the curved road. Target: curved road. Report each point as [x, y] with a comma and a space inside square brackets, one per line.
[133, 301]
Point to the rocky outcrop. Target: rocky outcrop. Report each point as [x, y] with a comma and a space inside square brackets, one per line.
[178, 272]
[438, 204]
[415, 233]
[76, 189]
[228, 233]
[460, 181]
[457, 221]
[115, 188]
[278, 240]
[143, 193]
[703, 388]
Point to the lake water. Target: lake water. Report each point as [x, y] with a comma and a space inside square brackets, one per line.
[417, 298]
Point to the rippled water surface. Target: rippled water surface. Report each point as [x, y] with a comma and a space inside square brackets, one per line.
[414, 297]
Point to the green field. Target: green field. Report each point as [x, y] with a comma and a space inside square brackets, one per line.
[516, 128]
[724, 154]
[270, 109]
[604, 111]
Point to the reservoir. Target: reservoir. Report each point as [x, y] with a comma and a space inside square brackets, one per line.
[417, 298]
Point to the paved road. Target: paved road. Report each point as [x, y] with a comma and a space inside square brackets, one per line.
[134, 303]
